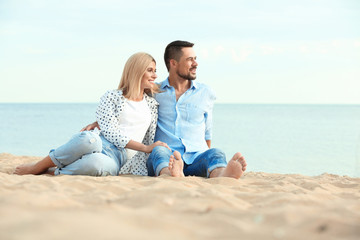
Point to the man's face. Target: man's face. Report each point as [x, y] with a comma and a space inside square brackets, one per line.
[186, 67]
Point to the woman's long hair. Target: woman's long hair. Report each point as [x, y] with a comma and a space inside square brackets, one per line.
[133, 73]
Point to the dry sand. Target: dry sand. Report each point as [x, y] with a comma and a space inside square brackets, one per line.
[258, 206]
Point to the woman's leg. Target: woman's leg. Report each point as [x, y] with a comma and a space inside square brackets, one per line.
[94, 164]
[35, 168]
[108, 162]
[80, 144]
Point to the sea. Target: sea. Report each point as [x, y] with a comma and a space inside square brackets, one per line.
[274, 138]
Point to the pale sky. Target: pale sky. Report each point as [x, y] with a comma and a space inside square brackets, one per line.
[305, 52]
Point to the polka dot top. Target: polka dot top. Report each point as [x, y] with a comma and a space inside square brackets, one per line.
[108, 114]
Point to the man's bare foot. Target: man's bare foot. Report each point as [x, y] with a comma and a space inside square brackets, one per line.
[176, 165]
[27, 169]
[234, 169]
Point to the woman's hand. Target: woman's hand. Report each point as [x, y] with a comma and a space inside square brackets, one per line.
[149, 148]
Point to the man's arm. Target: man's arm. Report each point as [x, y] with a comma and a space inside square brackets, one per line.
[208, 117]
[91, 126]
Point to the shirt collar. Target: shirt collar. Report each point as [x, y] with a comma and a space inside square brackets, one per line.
[193, 84]
[166, 83]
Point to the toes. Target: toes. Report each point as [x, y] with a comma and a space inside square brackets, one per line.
[243, 163]
[237, 156]
[171, 162]
[177, 155]
[17, 170]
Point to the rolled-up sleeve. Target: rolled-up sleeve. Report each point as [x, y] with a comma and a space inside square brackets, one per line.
[107, 116]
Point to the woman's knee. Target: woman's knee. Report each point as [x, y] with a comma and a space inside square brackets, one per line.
[88, 142]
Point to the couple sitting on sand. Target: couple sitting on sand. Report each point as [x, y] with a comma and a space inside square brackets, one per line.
[177, 114]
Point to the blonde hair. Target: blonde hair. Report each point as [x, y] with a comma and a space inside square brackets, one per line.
[133, 73]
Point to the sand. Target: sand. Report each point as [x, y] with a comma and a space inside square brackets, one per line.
[258, 206]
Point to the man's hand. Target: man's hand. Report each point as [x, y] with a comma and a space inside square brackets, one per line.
[91, 126]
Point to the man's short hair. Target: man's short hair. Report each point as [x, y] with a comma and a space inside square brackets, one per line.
[173, 51]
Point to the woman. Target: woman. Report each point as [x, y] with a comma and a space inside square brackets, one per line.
[127, 118]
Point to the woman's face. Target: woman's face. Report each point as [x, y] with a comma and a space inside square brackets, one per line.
[148, 80]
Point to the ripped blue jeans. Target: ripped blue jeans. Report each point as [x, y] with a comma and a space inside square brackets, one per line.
[87, 153]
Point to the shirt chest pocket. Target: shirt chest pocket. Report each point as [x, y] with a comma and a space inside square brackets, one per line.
[195, 114]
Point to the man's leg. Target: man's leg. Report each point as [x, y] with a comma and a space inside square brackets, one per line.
[234, 169]
[206, 162]
[176, 165]
[162, 162]
[212, 163]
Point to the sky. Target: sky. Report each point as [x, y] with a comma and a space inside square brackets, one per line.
[286, 52]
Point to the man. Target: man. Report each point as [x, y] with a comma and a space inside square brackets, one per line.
[185, 123]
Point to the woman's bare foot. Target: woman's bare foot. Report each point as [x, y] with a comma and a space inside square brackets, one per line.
[35, 168]
[176, 165]
[234, 169]
[27, 169]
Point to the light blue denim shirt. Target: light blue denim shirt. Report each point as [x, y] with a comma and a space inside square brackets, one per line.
[185, 124]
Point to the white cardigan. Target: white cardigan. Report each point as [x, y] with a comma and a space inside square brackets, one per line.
[107, 115]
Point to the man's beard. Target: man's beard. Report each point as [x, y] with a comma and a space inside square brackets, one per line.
[186, 76]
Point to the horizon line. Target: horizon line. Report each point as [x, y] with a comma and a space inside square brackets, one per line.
[216, 103]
